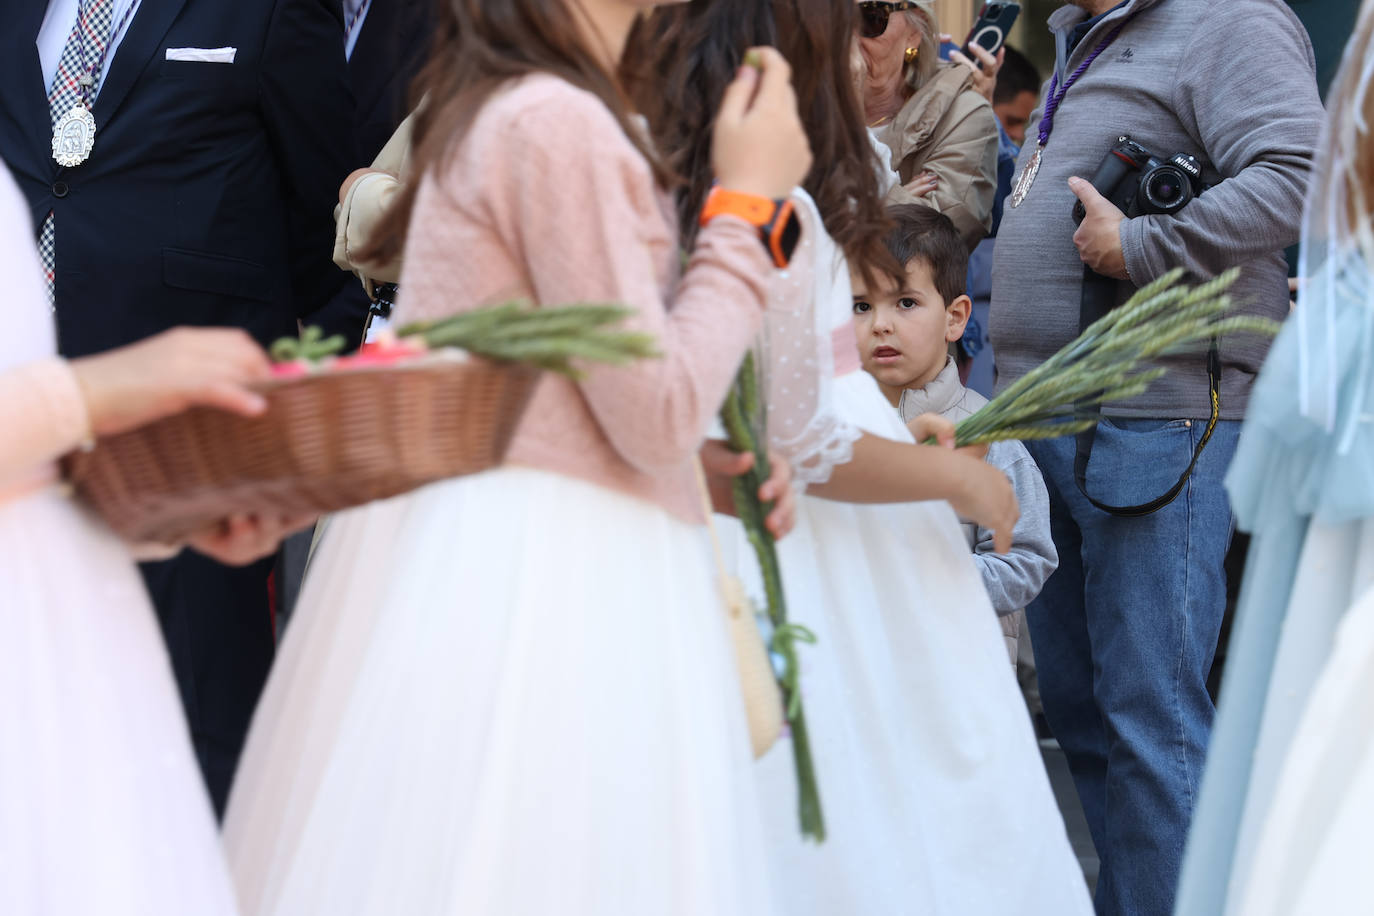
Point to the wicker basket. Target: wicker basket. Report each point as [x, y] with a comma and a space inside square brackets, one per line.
[328, 441]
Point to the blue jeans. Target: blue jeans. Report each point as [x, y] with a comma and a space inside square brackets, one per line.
[1124, 634]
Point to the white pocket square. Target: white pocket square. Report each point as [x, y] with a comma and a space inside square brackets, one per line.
[203, 55]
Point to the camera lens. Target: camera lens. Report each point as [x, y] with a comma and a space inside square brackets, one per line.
[1166, 190]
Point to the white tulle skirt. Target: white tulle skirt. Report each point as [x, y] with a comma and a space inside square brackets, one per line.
[935, 796]
[509, 695]
[102, 809]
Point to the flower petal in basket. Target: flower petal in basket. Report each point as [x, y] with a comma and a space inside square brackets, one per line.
[328, 441]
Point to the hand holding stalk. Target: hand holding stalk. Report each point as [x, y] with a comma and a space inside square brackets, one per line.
[745, 425]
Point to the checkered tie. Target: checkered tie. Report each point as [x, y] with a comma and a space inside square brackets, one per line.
[94, 18]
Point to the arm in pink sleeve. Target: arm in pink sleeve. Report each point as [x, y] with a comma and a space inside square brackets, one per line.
[584, 208]
[43, 415]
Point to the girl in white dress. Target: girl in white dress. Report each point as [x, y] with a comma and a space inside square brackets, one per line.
[513, 693]
[102, 809]
[935, 796]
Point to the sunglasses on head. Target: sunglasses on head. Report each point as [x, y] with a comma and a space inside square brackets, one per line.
[874, 14]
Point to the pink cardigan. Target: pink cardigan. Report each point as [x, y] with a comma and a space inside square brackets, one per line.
[546, 200]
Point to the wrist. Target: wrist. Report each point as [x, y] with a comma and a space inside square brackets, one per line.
[775, 219]
[962, 479]
[754, 187]
[86, 380]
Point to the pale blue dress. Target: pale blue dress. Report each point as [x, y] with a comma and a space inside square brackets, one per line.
[1303, 484]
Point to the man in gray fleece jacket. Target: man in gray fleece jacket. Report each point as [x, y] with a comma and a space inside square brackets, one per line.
[1124, 632]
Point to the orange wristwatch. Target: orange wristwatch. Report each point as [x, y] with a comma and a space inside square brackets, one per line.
[779, 228]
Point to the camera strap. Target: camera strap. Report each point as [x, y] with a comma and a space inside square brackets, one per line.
[1099, 296]
[383, 297]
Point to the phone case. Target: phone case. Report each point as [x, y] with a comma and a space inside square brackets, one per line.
[993, 25]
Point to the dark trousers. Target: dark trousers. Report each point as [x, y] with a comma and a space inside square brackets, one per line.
[217, 623]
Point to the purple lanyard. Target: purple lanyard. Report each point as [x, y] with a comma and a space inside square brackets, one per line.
[93, 70]
[1056, 97]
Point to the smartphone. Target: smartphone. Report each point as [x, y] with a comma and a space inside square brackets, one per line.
[990, 31]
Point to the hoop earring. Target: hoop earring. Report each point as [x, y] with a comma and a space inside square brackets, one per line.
[912, 54]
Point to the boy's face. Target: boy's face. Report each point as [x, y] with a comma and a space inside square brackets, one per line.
[904, 333]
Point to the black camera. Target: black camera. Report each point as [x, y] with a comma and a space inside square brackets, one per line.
[1139, 182]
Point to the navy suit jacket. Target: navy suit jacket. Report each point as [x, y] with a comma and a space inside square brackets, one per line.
[392, 47]
[209, 196]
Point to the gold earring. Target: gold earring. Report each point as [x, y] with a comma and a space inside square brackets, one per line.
[912, 54]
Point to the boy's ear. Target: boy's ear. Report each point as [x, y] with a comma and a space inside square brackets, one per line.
[956, 317]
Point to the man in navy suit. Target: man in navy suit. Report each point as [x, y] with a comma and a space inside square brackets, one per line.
[222, 130]
[386, 43]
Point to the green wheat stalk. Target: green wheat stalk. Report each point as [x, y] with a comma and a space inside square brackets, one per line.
[1112, 360]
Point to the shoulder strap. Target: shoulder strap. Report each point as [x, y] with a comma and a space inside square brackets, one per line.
[704, 492]
[1098, 297]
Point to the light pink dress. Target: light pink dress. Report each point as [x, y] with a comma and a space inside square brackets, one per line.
[102, 809]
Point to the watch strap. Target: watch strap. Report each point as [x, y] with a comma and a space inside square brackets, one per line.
[776, 220]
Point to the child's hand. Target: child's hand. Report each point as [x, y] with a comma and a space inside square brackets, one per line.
[168, 373]
[721, 465]
[243, 539]
[777, 489]
[932, 426]
[987, 499]
[759, 146]
[974, 451]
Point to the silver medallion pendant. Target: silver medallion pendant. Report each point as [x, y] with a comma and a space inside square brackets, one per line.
[1026, 178]
[74, 137]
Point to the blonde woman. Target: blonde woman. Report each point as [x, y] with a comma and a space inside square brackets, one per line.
[932, 116]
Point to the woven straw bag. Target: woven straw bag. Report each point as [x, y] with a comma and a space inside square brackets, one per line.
[758, 684]
[327, 442]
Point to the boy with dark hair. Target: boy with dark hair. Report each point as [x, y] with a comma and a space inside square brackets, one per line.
[904, 337]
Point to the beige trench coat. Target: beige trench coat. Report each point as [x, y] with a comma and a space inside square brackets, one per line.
[948, 128]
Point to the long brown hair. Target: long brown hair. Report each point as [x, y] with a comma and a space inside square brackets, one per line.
[702, 46]
[479, 45]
